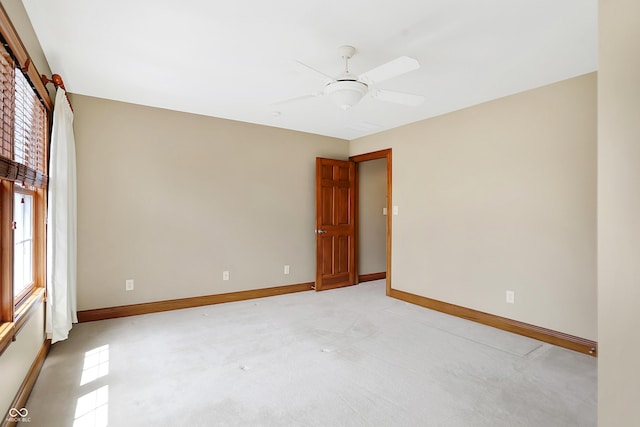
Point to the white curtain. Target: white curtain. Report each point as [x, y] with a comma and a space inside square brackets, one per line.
[62, 227]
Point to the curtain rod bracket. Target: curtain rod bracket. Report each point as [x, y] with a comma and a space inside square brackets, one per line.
[25, 68]
[55, 79]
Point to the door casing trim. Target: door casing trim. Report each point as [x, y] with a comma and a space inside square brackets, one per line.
[381, 154]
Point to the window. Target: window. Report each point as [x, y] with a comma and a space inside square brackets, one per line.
[23, 244]
[24, 130]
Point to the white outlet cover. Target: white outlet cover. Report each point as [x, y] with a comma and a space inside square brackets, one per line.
[511, 297]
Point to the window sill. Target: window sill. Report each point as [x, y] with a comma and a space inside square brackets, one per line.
[7, 334]
[23, 312]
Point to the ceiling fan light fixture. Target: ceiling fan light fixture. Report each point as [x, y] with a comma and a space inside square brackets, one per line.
[346, 93]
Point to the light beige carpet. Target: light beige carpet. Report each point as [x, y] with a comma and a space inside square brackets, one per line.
[347, 357]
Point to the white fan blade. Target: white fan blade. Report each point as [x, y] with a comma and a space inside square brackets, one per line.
[298, 98]
[315, 73]
[391, 69]
[398, 97]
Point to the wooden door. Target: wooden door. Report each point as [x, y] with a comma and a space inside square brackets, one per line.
[335, 223]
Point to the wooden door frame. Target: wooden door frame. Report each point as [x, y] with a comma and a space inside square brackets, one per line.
[381, 154]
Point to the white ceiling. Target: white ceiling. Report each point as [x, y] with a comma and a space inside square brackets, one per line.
[234, 59]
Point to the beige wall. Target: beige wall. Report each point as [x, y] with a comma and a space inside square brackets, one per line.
[18, 357]
[16, 361]
[172, 200]
[372, 224]
[618, 213]
[501, 196]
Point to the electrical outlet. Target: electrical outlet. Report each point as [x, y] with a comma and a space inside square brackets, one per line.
[128, 285]
[286, 269]
[511, 297]
[225, 275]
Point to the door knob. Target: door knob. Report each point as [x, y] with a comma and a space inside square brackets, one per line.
[321, 231]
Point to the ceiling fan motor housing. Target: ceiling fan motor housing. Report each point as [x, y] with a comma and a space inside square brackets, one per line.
[346, 93]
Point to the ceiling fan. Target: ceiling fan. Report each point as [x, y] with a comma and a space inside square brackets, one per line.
[347, 89]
